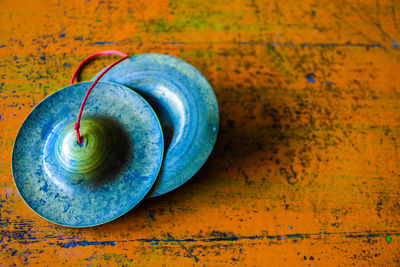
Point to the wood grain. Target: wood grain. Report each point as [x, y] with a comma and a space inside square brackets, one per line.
[306, 169]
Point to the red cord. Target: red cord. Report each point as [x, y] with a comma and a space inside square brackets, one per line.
[108, 52]
[125, 56]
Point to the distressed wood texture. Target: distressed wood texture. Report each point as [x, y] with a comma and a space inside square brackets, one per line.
[306, 167]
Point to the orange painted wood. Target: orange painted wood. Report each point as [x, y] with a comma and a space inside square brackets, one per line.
[306, 169]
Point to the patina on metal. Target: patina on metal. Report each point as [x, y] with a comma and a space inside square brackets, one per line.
[91, 183]
[186, 106]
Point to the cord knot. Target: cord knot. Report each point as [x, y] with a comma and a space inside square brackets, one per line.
[78, 135]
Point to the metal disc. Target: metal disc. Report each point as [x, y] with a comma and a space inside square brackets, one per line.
[186, 106]
[103, 178]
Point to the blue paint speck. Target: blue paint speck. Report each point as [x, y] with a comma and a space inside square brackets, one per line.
[103, 43]
[234, 238]
[62, 35]
[310, 77]
[395, 45]
[86, 243]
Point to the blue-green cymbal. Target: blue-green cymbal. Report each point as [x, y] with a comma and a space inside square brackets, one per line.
[105, 176]
[186, 106]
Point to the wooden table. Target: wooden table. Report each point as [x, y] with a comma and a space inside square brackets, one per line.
[306, 169]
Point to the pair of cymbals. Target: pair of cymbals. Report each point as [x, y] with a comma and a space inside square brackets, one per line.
[148, 126]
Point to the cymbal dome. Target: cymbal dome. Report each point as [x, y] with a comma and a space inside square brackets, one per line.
[90, 154]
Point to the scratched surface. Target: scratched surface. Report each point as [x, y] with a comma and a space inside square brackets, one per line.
[306, 169]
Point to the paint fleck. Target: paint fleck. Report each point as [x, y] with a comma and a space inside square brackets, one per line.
[176, 43]
[8, 192]
[86, 243]
[103, 43]
[233, 238]
[310, 77]
[291, 177]
[184, 248]
[395, 45]
[388, 239]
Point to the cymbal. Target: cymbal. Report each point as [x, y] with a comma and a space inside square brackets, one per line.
[186, 106]
[87, 184]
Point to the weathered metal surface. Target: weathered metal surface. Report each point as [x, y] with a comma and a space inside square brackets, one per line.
[186, 106]
[306, 167]
[104, 177]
